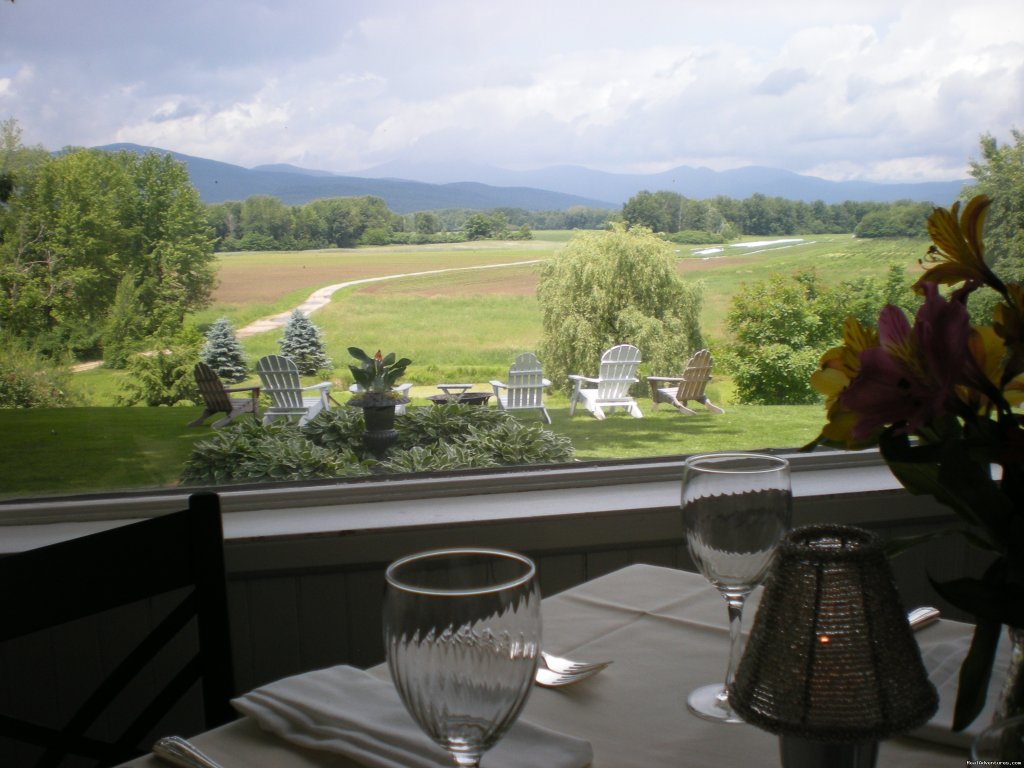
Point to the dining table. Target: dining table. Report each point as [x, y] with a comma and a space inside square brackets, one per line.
[666, 632]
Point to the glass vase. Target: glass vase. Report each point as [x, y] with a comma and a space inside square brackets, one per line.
[1011, 699]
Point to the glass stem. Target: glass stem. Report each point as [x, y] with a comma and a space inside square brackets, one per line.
[734, 600]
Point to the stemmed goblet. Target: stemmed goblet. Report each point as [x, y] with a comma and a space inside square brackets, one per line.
[462, 632]
[736, 508]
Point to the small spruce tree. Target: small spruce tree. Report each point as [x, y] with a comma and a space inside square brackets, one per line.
[303, 344]
[223, 353]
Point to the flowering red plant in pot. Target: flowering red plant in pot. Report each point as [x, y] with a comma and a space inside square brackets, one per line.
[376, 377]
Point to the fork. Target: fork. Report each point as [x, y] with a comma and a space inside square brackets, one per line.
[568, 666]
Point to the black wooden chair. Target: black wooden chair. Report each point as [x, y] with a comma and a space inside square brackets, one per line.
[161, 579]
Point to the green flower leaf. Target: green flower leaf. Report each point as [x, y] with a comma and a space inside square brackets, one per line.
[975, 673]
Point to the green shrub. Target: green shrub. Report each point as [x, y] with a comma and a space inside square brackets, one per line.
[29, 380]
[784, 324]
[376, 236]
[339, 429]
[777, 374]
[164, 376]
[512, 443]
[439, 457]
[443, 423]
[431, 439]
[695, 237]
[247, 450]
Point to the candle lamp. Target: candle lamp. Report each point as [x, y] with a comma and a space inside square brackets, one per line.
[832, 665]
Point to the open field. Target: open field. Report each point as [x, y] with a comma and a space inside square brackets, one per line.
[457, 326]
[468, 325]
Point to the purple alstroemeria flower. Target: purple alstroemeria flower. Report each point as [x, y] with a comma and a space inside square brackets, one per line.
[910, 378]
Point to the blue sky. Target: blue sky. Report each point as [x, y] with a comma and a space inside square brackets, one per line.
[880, 90]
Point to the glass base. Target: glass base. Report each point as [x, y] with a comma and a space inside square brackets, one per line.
[710, 703]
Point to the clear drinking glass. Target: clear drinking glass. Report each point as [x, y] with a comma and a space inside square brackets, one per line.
[736, 508]
[462, 632]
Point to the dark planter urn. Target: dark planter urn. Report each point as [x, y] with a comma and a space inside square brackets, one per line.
[379, 421]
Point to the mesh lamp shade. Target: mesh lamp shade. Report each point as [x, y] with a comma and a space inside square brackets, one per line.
[831, 657]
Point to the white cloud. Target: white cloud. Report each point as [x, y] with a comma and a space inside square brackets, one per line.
[874, 89]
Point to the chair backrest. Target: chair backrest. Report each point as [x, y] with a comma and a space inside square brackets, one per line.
[617, 372]
[72, 615]
[280, 377]
[211, 388]
[525, 382]
[695, 377]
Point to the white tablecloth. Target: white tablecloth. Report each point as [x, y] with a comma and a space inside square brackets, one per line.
[667, 632]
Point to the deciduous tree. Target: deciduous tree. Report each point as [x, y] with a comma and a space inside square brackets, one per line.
[1000, 175]
[616, 287]
[77, 224]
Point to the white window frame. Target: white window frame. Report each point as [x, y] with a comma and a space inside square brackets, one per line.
[844, 486]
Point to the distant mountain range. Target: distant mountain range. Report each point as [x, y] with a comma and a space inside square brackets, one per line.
[408, 188]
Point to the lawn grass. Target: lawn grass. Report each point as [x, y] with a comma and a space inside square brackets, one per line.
[86, 450]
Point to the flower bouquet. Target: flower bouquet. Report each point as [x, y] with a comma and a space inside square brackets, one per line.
[937, 397]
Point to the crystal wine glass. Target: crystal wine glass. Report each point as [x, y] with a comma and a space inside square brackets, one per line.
[462, 632]
[736, 508]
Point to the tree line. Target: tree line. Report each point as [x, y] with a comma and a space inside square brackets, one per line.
[721, 219]
[262, 222]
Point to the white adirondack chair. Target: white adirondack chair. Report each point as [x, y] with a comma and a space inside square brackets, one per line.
[611, 390]
[280, 377]
[525, 387]
[689, 386]
[402, 389]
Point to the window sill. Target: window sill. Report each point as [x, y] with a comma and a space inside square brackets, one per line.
[846, 487]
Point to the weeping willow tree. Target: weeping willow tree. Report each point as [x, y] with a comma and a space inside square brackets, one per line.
[617, 287]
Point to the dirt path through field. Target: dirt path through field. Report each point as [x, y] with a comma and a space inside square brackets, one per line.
[322, 296]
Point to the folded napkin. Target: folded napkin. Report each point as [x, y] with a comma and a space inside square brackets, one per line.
[942, 660]
[343, 709]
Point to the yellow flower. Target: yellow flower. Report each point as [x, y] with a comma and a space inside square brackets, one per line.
[958, 252]
[838, 367]
[988, 351]
[1014, 390]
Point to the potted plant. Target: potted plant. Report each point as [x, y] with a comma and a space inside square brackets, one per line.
[376, 377]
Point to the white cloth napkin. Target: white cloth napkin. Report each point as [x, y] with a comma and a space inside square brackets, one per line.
[943, 660]
[343, 709]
